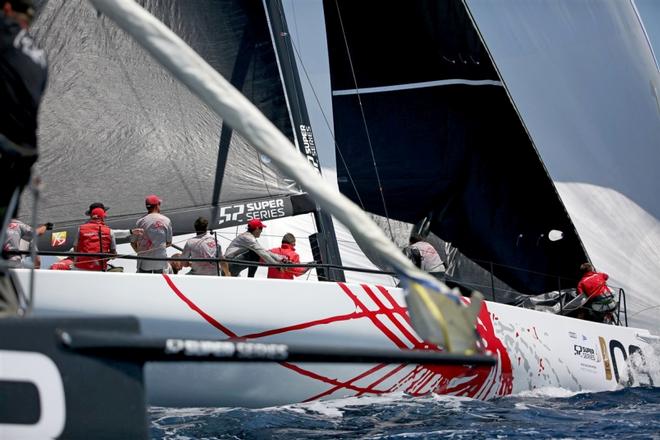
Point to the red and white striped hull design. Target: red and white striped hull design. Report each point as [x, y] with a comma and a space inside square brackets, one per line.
[534, 349]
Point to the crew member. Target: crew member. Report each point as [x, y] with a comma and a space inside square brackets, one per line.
[424, 256]
[119, 233]
[204, 245]
[17, 231]
[245, 247]
[23, 73]
[94, 237]
[156, 238]
[287, 250]
[177, 264]
[599, 296]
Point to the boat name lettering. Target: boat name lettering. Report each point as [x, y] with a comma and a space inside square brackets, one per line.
[194, 347]
[309, 145]
[270, 351]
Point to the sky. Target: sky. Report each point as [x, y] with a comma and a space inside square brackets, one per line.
[649, 10]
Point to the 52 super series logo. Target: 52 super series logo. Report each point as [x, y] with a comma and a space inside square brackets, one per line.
[586, 352]
[266, 209]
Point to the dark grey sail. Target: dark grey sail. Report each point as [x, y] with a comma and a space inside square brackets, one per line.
[115, 126]
[427, 130]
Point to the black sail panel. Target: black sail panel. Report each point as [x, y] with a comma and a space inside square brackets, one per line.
[446, 140]
[114, 126]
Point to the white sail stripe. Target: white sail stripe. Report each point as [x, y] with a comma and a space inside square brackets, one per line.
[419, 85]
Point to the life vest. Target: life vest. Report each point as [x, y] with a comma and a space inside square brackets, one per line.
[94, 237]
[288, 251]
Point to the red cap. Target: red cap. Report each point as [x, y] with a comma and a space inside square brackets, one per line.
[152, 200]
[255, 223]
[98, 212]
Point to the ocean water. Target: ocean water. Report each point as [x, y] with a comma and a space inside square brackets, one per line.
[631, 413]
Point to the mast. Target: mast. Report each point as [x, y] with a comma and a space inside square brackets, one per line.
[326, 238]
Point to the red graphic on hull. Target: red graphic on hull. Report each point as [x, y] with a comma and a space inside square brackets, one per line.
[392, 320]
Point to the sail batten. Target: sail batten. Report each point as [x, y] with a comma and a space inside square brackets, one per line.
[422, 85]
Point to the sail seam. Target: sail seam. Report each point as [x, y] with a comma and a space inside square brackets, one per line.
[419, 85]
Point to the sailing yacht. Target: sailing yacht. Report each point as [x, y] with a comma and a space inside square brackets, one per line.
[419, 89]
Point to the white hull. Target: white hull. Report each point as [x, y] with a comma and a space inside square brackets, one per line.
[534, 349]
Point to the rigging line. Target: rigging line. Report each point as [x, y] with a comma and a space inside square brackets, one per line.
[327, 124]
[143, 108]
[364, 121]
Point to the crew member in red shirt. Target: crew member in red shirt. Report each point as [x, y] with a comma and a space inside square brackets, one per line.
[94, 237]
[600, 303]
[592, 284]
[288, 251]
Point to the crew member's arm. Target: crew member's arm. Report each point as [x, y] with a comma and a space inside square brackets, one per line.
[121, 234]
[267, 256]
[135, 238]
[168, 238]
[113, 243]
[224, 267]
[296, 271]
[186, 253]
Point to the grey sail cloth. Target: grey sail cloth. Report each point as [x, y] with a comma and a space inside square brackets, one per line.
[114, 126]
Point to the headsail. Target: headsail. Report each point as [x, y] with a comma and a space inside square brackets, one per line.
[431, 133]
[224, 99]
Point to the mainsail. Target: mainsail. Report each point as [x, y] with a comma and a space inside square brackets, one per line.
[431, 133]
[115, 126]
